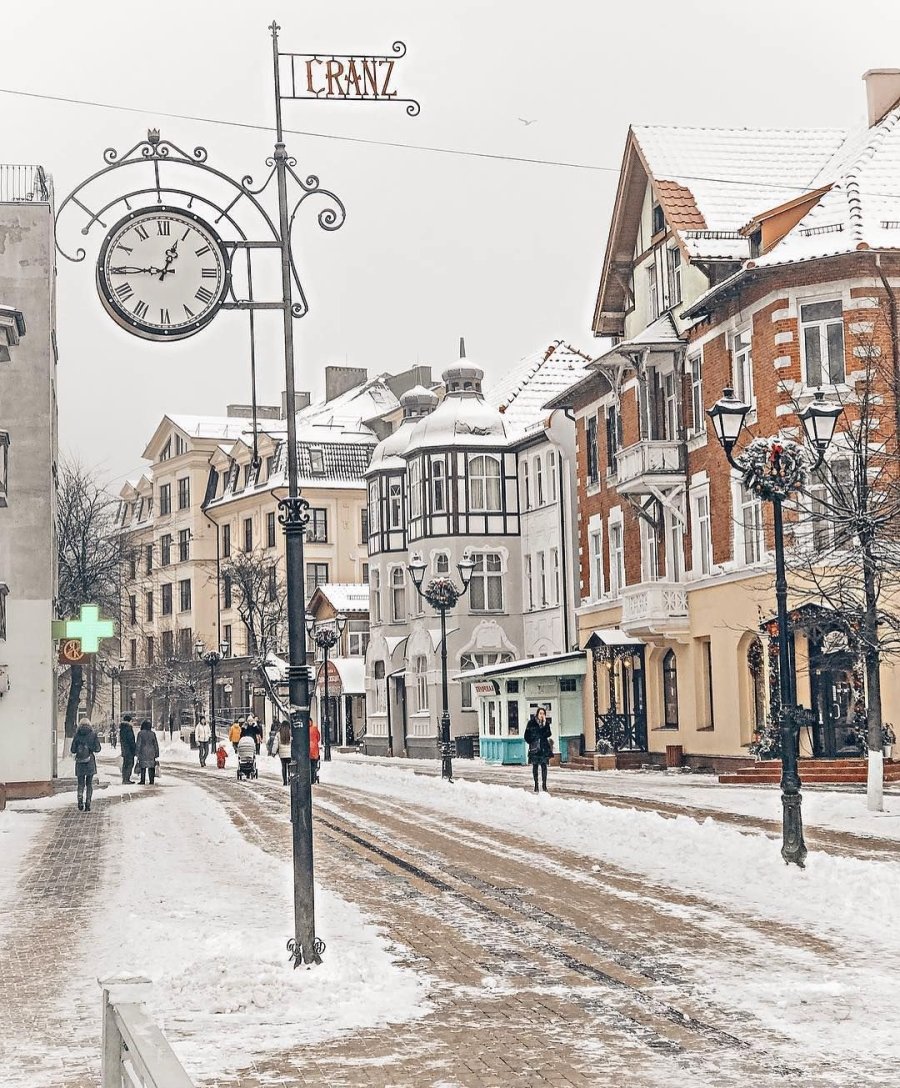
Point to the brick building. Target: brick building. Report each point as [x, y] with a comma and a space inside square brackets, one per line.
[766, 261]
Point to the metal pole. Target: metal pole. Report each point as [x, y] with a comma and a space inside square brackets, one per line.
[793, 848]
[303, 946]
[326, 712]
[212, 703]
[446, 758]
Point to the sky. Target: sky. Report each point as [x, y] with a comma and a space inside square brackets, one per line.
[436, 245]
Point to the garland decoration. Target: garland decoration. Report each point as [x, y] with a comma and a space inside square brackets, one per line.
[771, 468]
[441, 592]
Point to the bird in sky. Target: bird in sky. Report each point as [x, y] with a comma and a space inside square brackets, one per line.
[526, 123]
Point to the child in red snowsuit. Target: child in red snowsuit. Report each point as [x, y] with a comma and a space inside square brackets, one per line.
[221, 756]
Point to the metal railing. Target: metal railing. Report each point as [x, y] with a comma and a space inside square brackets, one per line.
[135, 1052]
[22, 182]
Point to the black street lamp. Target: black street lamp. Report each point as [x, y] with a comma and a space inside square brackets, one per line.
[212, 658]
[777, 479]
[442, 594]
[326, 635]
[115, 675]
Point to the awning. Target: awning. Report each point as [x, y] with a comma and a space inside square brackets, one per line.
[573, 663]
[393, 641]
[349, 674]
[611, 636]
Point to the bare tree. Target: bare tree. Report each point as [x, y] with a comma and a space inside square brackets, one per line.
[846, 552]
[259, 594]
[90, 563]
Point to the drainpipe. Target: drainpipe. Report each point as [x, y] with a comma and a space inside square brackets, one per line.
[564, 572]
[895, 346]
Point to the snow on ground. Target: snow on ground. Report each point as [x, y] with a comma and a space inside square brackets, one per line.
[190, 903]
[18, 833]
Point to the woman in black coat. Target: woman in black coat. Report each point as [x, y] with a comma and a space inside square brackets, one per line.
[539, 738]
[85, 744]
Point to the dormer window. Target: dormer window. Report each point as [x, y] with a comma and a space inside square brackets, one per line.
[659, 218]
[316, 462]
[180, 445]
[166, 452]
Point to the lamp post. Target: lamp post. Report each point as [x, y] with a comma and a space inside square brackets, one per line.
[212, 658]
[442, 594]
[776, 480]
[326, 635]
[115, 674]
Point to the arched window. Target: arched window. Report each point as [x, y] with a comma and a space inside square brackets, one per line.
[375, 593]
[670, 690]
[380, 688]
[551, 475]
[755, 666]
[374, 508]
[420, 670]
[442, 563]
[526, 486]
[484, 483]
[414, 481]
[539, 480]
[398, 595]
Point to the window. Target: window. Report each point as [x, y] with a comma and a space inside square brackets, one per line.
[184, 492]
[554, 575]
[420, 670]
[151, 649]
[526, 485]
[185, 644]
[706, 666]
[438, 486]
[674, 546]
[184, 545]
[529, 584]
[822, 331]
[512, 717]
[184, 595]
[273, 582]
[166, 591]
[702, 536]
[148, 604]
[166, 452]
[132, 609]
[165, 549]
[365, 573]
[698, 417]
[248, 471]
[442, 563]
[484, 483]
[831, 505]
[180, 445]
[364, 526]
[653, 291]
[317, 528]
[649, 552]
[674, 256]
[316, 461]
[414, 483]
[165, 499]
[316, 575]
[539, 480]
[398, 595]
[168, 645]
[595, 544]
[380, 688]
[616, 559]
[542, 578]
[375, 594]
[670, 406]
[486, 586]
[148, 558]
[133, 653]
[742, 365]
[226, 591]
[395, 503]
[670, 690]
[248, 534]
[551, 475]
[132, 566]
[476, 661]
[226, 541]
[270, 529]
[613, 421]
[658, 218]
[591, 439]
[751, 526]
[374, 508]
[357, 637]
[227, 639]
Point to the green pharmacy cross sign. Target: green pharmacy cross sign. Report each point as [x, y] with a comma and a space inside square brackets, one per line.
[89, 628]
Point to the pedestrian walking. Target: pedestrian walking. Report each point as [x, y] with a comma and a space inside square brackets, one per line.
[272, 742]
[539, 738]
[255, 729]
[171, 727]
[126, 735]
[202, 735]
[147, 751]
[221, 757]
[283, 749]
[113, 734]
[84, 744]
[234, 733]
[315, 739]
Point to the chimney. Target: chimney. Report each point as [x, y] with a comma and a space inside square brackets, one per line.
[882, 92]
[340, 379]
[301, 400]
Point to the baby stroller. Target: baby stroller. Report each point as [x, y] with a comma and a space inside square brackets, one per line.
[247, 761]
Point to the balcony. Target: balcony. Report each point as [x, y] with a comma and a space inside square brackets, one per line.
[655, 609]
[648, 464]
[23, 183]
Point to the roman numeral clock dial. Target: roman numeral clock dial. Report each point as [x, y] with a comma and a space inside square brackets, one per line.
[162, 273]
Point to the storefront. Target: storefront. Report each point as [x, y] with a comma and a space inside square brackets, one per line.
[346, 699]
[509, 694]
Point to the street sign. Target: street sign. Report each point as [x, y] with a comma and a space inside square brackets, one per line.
[71, 653]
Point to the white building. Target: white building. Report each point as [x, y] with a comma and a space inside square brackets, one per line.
[28, 450]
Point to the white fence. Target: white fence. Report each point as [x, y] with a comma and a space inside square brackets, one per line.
[136, 1054]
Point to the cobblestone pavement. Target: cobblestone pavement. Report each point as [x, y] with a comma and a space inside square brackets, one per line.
[547, 972]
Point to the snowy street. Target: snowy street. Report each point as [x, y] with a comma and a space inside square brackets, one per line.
[476, 935]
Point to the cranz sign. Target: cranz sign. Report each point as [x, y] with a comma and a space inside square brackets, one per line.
[342, 78]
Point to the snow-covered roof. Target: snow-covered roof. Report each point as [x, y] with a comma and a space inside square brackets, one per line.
[221, 427]
[346, 596]
[523, 394]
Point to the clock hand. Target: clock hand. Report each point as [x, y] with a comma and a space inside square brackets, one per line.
[171, 255]
[128, 270]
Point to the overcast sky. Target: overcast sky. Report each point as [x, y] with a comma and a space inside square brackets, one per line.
[436, 246]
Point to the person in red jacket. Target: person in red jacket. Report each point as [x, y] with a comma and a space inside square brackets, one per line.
[221, 756]
[314, 740]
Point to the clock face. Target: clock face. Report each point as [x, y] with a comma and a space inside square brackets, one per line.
[162, 273]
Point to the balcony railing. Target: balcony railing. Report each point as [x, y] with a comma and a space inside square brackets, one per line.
[654, 608]
[22, 183]
[648, 460]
